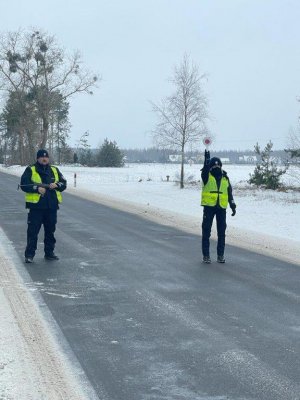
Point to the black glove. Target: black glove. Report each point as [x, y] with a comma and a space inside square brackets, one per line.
[233, 208]
[206, 156]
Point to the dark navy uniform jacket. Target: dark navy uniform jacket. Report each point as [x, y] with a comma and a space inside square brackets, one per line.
[49, 199]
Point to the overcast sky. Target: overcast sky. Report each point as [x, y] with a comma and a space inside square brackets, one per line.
[249, 49]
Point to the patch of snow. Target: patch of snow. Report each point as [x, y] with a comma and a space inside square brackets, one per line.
[84, 264]
[65, 296]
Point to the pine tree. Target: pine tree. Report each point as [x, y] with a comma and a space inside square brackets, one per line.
[266, 172]
[110, 155]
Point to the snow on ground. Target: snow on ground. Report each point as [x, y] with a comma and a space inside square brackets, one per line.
[263, 211]
[266, 221]
[32, 364]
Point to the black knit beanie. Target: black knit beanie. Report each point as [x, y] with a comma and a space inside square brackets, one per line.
[42, 153]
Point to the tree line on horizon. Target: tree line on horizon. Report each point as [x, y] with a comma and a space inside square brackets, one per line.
[155, 154]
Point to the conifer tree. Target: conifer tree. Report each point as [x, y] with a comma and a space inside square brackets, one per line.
[266, 172]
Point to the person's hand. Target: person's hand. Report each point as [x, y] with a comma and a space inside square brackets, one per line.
[53, 186]
[233, 208]
[206, 157]
[41, 190]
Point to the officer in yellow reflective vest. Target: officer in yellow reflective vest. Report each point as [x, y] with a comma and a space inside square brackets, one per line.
[216, 195]
[42, 203]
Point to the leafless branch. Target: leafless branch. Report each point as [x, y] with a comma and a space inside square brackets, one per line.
[182, 116]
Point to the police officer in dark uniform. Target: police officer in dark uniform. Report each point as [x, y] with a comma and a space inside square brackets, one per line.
[216, 194]
[43, 203]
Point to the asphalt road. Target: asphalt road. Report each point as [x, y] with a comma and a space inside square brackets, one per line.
[147, 320]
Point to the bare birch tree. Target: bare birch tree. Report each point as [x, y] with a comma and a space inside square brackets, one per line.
[182, 116]
[32, 63]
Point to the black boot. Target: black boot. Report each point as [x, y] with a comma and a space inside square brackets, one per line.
[51, 257]
[221, 259]
[29, 260]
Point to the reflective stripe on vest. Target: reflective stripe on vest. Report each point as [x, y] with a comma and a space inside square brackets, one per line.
[210, 192]
[36, 178]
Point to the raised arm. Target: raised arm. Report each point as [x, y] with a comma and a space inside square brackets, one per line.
[205, 169]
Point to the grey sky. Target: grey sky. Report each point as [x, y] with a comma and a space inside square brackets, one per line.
[249, 48]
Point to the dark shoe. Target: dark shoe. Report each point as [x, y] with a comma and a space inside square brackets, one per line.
[29, 260]
[51, 257]
[206, 260]
[221, 259]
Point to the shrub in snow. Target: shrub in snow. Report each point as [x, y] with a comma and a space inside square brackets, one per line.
[266, 173]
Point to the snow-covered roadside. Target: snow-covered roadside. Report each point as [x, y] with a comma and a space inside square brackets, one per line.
[32, 366]
[266, 221]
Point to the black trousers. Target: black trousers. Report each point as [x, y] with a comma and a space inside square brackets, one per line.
[208, 216]
[37, 218]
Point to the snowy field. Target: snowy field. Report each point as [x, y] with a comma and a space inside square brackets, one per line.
[264, 211]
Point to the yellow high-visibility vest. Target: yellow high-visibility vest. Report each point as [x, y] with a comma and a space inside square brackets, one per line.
[210, 192]
[36, 178]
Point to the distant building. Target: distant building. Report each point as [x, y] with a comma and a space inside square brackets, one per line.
[248, 159]
[225, 160]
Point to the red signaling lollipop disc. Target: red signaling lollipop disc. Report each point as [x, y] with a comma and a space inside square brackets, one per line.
[207, 141]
